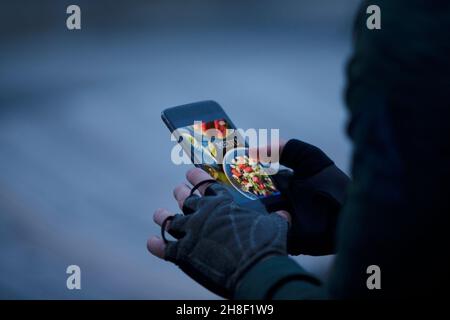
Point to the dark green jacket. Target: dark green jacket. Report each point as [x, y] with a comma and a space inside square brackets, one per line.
[396, 214]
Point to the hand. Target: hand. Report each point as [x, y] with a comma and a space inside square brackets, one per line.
[316, 192]
[218, 241]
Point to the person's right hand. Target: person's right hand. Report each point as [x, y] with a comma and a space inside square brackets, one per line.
[315, 190]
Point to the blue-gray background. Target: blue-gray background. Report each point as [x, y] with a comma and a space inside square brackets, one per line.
[84, 156]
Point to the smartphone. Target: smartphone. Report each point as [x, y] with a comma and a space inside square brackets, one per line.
[206, 135]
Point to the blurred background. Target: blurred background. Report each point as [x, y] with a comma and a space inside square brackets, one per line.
[84, 155]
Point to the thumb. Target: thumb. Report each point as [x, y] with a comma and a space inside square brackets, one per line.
[305, 159]
[285, 215]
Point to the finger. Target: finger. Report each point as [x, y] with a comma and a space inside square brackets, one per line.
[197, 175]
[181, 192]
[156, 246]
[284, 214]
[215, 189]
[190, 204]
[174, 227]
[171, 251]
[160, 215]
[267, 153]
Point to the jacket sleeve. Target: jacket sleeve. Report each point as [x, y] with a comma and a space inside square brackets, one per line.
[279, 277]
[397, 93]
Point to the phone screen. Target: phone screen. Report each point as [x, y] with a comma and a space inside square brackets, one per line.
[219, 150]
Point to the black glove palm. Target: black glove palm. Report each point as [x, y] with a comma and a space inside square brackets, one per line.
[220, 240]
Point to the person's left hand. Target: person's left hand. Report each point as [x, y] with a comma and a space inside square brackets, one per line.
[218, 240]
